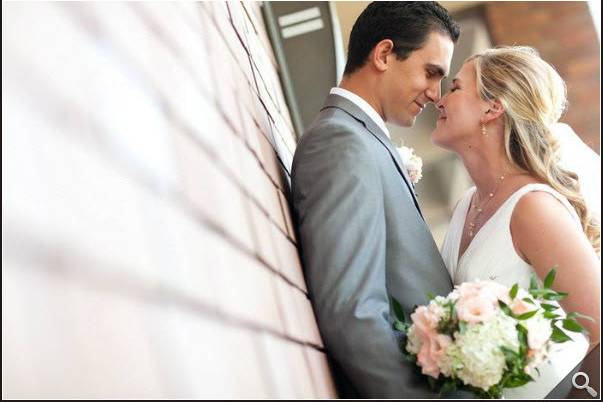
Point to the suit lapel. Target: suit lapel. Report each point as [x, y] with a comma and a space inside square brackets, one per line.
[353, 110]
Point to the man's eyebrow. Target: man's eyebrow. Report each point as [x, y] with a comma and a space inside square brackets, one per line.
[439, 71]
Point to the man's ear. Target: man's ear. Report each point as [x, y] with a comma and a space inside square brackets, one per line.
[493, 111]
[378, 56]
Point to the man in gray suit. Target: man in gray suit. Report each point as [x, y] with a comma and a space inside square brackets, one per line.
[362, 236]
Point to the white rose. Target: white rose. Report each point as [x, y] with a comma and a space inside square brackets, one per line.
[412, 162]
[539, 331]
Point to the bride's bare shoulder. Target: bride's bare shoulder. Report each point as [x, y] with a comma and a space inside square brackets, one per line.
[541, 211]
[539, 221]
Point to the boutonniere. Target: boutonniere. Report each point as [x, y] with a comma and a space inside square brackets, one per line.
[412, 163]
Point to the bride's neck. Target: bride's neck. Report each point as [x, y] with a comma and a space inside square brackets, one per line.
[486, 169]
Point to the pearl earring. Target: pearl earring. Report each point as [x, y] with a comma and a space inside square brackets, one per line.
[484, 131]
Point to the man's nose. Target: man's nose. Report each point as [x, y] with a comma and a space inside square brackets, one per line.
[434, 93]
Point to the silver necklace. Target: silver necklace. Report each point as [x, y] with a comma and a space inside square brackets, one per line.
[480, 209]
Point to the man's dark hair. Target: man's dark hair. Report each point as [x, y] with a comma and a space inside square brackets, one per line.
[406, 23]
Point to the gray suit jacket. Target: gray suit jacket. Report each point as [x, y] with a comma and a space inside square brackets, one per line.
[362, 239]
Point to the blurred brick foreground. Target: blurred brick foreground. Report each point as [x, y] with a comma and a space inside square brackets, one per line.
[147, 245]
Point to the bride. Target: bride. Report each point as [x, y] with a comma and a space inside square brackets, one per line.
[526, 213]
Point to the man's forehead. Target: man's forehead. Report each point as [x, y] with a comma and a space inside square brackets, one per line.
[437, 53]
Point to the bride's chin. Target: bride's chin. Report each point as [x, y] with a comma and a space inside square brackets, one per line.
[436, 139]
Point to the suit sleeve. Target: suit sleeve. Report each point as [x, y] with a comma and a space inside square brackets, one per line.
[338, 203]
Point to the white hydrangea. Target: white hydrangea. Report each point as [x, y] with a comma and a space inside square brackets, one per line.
[436, 306]
[476, 356]
[451, 362]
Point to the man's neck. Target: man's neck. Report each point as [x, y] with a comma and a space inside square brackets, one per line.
[362, 88]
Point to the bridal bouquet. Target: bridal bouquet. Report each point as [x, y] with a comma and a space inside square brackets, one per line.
[485, 337]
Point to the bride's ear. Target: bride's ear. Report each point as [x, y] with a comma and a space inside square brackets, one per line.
[493, 111]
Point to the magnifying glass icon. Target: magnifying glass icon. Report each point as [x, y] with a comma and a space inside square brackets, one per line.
[590, 390]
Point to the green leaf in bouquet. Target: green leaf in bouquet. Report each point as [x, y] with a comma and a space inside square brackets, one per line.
[572, 325]
[549, 307]
[448, 324]
[528, 300]
[522, 336]
[453, 309]
[548, 294]
[559, 336]
[409, 357]
[518, 379]
[550, 278]
[578, 315]
[430, 296]
[462, 327]
[447, 387]
[505, 308]
[533, 283]
[527, 315]
[513, 291]
[510, 356]
[555, 296]
[398, 310]
[401, 326]
[550, 315]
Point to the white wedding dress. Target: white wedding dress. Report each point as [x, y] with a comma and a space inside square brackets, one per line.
[492, 256]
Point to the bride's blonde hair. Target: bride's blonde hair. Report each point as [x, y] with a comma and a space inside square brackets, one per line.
[533, 96]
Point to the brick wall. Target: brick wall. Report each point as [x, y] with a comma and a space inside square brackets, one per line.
[147, 245]
[564, 34]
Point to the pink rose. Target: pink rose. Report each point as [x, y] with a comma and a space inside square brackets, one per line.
[502, 292]
[425, 320]
[485, 290]
[468, 290]
[432, 351]
[519, 306]
[476, 309]
[478, 301]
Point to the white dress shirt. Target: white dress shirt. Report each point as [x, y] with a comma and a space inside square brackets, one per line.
[364, 106]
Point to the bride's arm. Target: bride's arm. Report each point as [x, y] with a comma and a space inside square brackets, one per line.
[545, 235]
